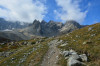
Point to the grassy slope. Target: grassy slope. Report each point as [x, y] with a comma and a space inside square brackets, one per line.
[36, 51]
[76, 41]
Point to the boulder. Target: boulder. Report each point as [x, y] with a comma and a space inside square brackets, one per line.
[93, 35]
[75, 57]
[72, 52]
[73, 62]
[66, 53]
[84, 57]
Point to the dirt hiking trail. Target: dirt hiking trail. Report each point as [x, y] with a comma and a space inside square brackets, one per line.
[51, 57]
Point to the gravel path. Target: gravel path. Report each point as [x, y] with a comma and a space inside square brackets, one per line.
[51, 57]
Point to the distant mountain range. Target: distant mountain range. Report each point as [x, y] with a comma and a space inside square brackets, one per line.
[9, 25]
[37, 29]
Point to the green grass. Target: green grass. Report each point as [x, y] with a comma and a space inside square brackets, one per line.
[34, 58]
[92, 47]
[62, 61]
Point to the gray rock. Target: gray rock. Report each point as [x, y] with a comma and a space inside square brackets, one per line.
[87, 42]
[66, 53]
[84, 57]
[93, 34]
[2, 43]
[69, 53]
[73, 62]
[72, 52]
[25, 43]
[13, 59]
[90, 28]
[84, 42]
[75, 57]
[62, 45]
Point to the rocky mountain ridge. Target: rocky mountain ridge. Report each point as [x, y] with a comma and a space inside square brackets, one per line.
[51, 28]
[9, 25]
[42, 29]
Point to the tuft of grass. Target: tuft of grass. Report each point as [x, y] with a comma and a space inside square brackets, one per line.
[62, 61]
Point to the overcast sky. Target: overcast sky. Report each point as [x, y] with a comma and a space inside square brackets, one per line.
[82, 11]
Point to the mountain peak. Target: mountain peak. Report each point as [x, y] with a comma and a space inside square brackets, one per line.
[74, 23]
[51, 21]
[43, 22]
[36, 22]
[2, 19]
[71, 22]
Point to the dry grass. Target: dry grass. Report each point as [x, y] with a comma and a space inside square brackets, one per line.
[27, 51]
[84, 41]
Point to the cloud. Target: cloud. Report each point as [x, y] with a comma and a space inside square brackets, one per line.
[22, 10]
[69, 10]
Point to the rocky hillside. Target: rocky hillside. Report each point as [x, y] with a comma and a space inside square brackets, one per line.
[86, 44]
[23, 53]
[70, 26]
[80, 47]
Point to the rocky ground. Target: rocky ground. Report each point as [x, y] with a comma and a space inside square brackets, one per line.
[52, 56]
[24, 55]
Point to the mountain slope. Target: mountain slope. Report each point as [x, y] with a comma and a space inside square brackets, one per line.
[70, 26]
[23, 53]
[86, 41]
[45, 51]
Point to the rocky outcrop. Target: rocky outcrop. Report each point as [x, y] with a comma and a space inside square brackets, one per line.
[73, 59]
